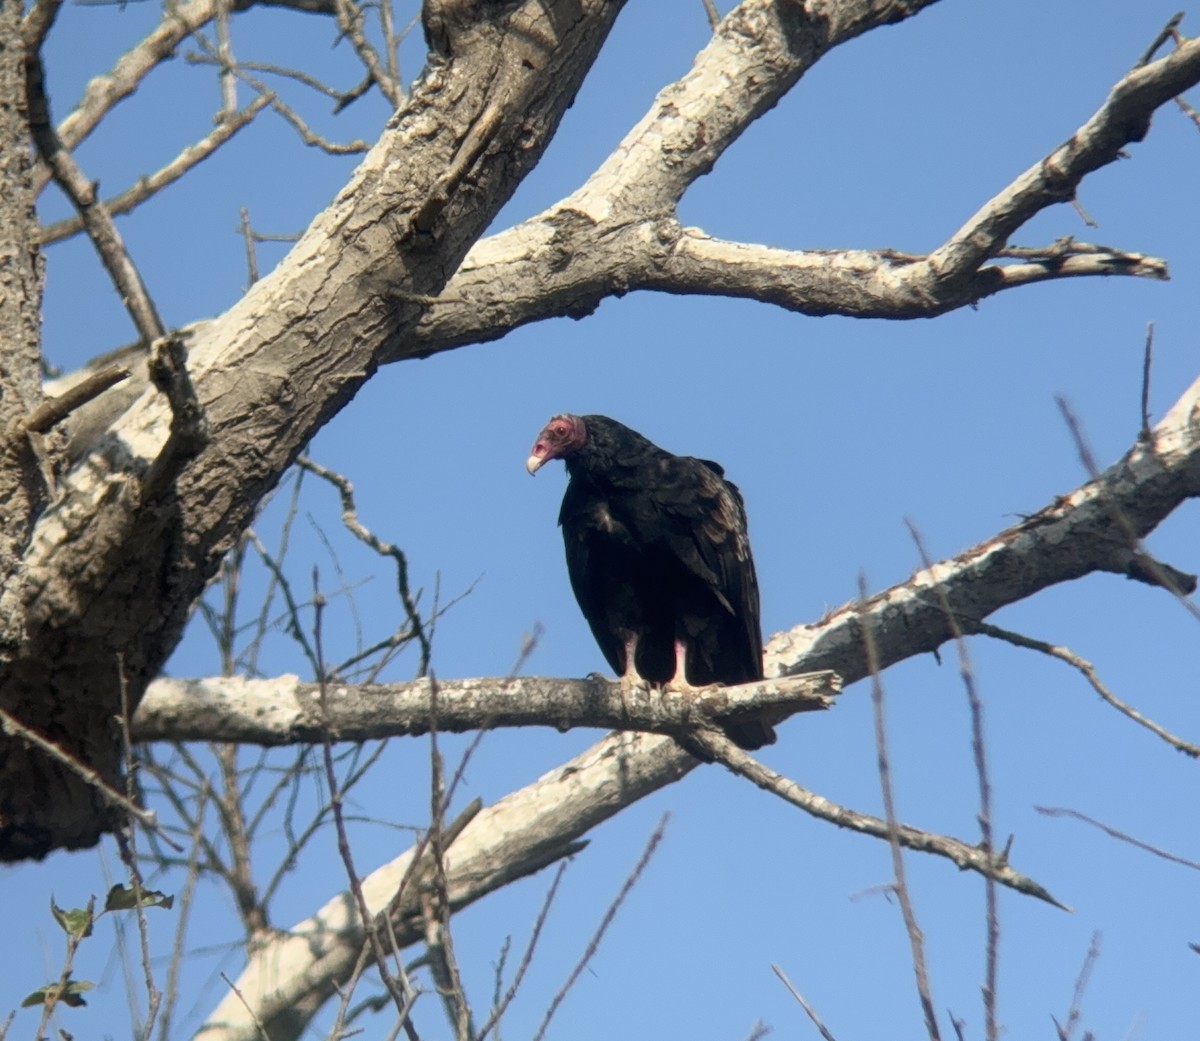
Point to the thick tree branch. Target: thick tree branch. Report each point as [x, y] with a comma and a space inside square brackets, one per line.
[1076, 535]
[1123, 119]
[286, 711]
[620, 231]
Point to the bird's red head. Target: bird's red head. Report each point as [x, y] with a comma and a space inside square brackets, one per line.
[560, 437]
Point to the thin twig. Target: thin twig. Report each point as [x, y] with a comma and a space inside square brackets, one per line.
[439, 939]
[1089, 671]
[298, 75]
[1167, 32]
[191, 879]
[128, 843]
[258, 1023]
[714, 16]
[1075, 1013]
[307, 134]
[803, 1004]
[397, 985]
[526, 959]
[350, 23]
[248, 238]
[1188, 111]
[1146, 436]
[151, 184]
[225, 50]
[13, 727]
[915, 937]
[362, 533]
[1058, 811]
[605, 922]
[979, 751]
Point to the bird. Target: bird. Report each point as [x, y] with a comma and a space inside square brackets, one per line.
[659, 560]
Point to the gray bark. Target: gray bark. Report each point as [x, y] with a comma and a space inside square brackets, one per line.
[22, 482]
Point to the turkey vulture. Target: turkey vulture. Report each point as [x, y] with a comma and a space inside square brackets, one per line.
[659, 559]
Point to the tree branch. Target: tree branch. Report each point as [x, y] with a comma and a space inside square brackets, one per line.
[964, 855]
[1077, 534]
[286, 711]
[620, 230]
[1123, 119]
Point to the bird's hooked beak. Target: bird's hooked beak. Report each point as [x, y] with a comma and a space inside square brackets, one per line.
[537, 458]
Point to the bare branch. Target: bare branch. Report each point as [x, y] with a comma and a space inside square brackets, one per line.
[1131, 560]
[1167, 32]
[363, 534]
[286, 710]
[963, 855]
[309, 136]
[605, 922]
[987, 842]
[37, 23]
[98, 221]
[916, 937]
[398, 985]
[1144, 434]
[179, 21]
[13, 727]
[1089, 671]
[1123, 119]
[1074, 535]
[526, 958]
[350, 21]
[620, 230]
[1075, 1013]
[127, 842]
[54, 410]
[1056, 811]
[803, 1004]
[153, 183]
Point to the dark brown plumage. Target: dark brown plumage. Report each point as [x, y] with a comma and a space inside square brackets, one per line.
[659, 559]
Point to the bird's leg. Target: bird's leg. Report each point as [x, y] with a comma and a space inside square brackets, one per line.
[631, 681]
[680, 679]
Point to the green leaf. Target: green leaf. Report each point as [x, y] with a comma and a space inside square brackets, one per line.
[70, 993]
[122, 898]
[76, 922]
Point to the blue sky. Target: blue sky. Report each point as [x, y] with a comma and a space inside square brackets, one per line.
[836, 430]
